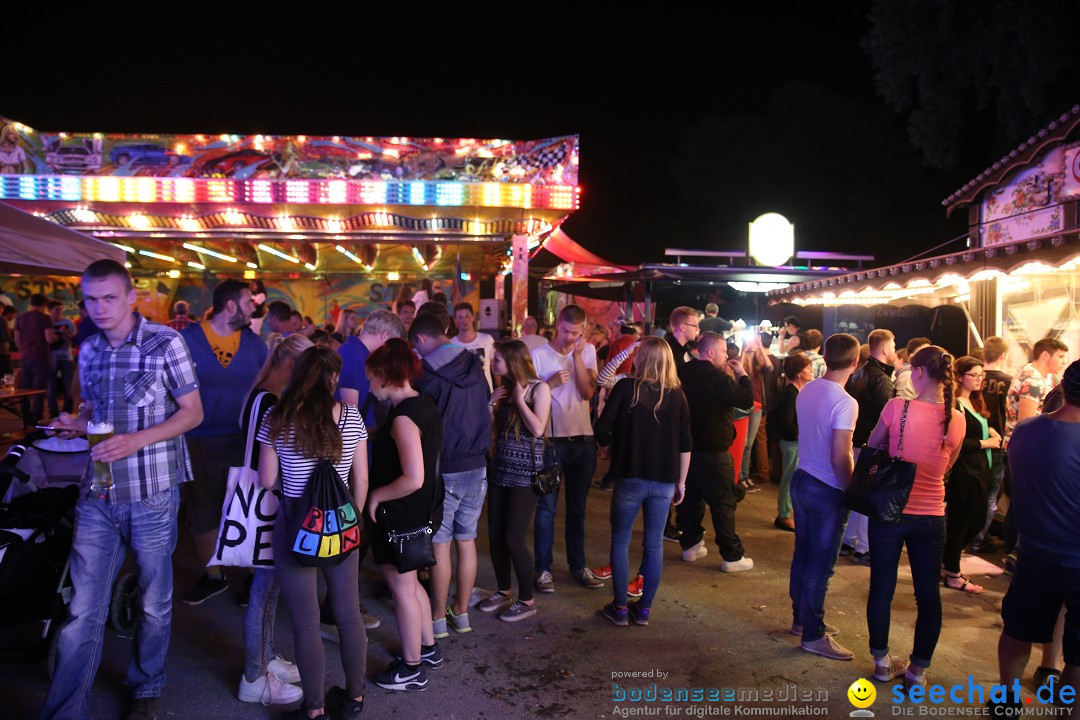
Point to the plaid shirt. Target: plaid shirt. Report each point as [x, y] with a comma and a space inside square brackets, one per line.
[135, 386]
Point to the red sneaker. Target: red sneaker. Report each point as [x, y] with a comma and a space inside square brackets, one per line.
[604, 572]
[636, 587]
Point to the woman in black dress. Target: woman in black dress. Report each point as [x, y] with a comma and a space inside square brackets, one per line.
[404, 495]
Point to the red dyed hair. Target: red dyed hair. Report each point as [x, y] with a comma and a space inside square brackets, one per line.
[394, 362]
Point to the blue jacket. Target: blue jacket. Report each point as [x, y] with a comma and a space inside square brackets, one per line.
[223, 390]
[460, 391]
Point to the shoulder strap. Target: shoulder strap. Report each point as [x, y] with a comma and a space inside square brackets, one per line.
[253, 427]
[903, 424]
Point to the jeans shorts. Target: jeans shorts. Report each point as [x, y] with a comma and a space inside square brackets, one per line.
[464, 500]
[1038, 589]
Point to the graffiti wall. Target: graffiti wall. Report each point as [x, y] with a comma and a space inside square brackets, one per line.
[24, 150]
[322, 300]
[1030, 205]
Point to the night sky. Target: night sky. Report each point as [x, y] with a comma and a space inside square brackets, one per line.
[690, 126]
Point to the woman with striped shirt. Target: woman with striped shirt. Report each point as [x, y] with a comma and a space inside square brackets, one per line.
[304, 428]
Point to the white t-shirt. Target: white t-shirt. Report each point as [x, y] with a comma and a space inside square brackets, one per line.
[483, 345]
[569, 411]
[533, 341]
[822, 406]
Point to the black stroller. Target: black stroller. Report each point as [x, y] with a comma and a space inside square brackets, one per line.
[39, 487]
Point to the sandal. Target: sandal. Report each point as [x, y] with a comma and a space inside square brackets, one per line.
[964, 586]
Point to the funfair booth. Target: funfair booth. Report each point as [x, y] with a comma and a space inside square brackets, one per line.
[1017, 276]
[325, 222]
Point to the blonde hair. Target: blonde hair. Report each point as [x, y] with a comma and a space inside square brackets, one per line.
[281, 349]
[654, 365]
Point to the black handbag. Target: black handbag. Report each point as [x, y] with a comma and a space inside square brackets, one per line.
[411, 549]
[546, 477]
[881, 484]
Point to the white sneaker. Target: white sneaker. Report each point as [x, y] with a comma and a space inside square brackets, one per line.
[268, 690]
[696, 552]
[737, 566]
[285, 670]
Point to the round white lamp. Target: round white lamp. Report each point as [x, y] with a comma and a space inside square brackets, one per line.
[772, 239]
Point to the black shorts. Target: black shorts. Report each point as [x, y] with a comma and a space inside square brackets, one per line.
[1031, 607]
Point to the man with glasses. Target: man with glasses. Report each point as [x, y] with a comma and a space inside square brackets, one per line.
[684, 331]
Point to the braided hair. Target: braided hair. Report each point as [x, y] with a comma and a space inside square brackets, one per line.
[938, 364]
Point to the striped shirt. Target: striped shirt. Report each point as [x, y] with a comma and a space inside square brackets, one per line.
[295, 468]
[135, 387]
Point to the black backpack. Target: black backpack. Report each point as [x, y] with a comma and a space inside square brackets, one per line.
[327, 528]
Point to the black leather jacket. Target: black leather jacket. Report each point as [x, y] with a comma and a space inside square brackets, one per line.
[872, 387]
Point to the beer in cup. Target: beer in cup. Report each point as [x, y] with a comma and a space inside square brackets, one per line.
[97, 432]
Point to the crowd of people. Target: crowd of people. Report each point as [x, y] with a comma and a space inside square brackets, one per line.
[426, 420]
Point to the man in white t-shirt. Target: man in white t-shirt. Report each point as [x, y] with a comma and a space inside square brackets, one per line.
[480, 344]
[826, 415]
[568, 365]
[530, 334]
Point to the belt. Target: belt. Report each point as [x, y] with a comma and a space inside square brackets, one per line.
[575, 438]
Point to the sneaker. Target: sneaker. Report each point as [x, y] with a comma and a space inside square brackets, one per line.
[517, 611]
[285, 670]
[846, 550]
[984, 547]
[604, 484]
[889, 667]
[603, 572]
[439, 628]
[144, 709]
[617, 616]
[1009, 563]
[695, 552]
[672, 534]
[1043, 675]
[737, 565]
[370, 621]
[544, 583]
[399, 676]
[829, 630]
[861, 559]
[206, 588]
[430, 655]
[268, 690]
[827, 647]
[585, 577]
[640, 615]
[329, 632]
[636, 587]
[460, 623]
[494, 601]
[911, 681]
[342, 707]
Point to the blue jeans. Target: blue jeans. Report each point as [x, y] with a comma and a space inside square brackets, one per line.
[66, 368]
[998, 461]
[820, 517]
[102, 530]
[925, 538]
[751, 437]
[577, 457]
[856, 534]
[259, 623]
[654, 498]
[789, 452]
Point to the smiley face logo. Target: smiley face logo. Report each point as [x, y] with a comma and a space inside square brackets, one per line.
[862, 693]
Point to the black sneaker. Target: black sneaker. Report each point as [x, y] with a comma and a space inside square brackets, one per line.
[144, 709]
[399, 676]
[846, 550]
[206, 588]
[430, 655]
[342, 707]
[859, 558]
[672, 534]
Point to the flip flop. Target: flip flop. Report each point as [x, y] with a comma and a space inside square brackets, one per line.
[964, 586]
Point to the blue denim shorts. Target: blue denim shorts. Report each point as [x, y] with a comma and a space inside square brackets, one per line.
[464, 500]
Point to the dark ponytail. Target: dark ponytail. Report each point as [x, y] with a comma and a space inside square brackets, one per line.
[938, 364]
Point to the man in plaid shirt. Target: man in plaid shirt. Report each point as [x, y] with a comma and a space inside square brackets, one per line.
[137, 375]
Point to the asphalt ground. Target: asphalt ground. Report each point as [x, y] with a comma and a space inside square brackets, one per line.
[713, 634]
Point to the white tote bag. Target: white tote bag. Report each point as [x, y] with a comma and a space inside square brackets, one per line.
[248, 514]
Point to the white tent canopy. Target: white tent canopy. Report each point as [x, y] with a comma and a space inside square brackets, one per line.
[29, 244]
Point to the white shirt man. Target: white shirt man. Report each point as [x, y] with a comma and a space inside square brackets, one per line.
[480, 344]
[530, 335]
